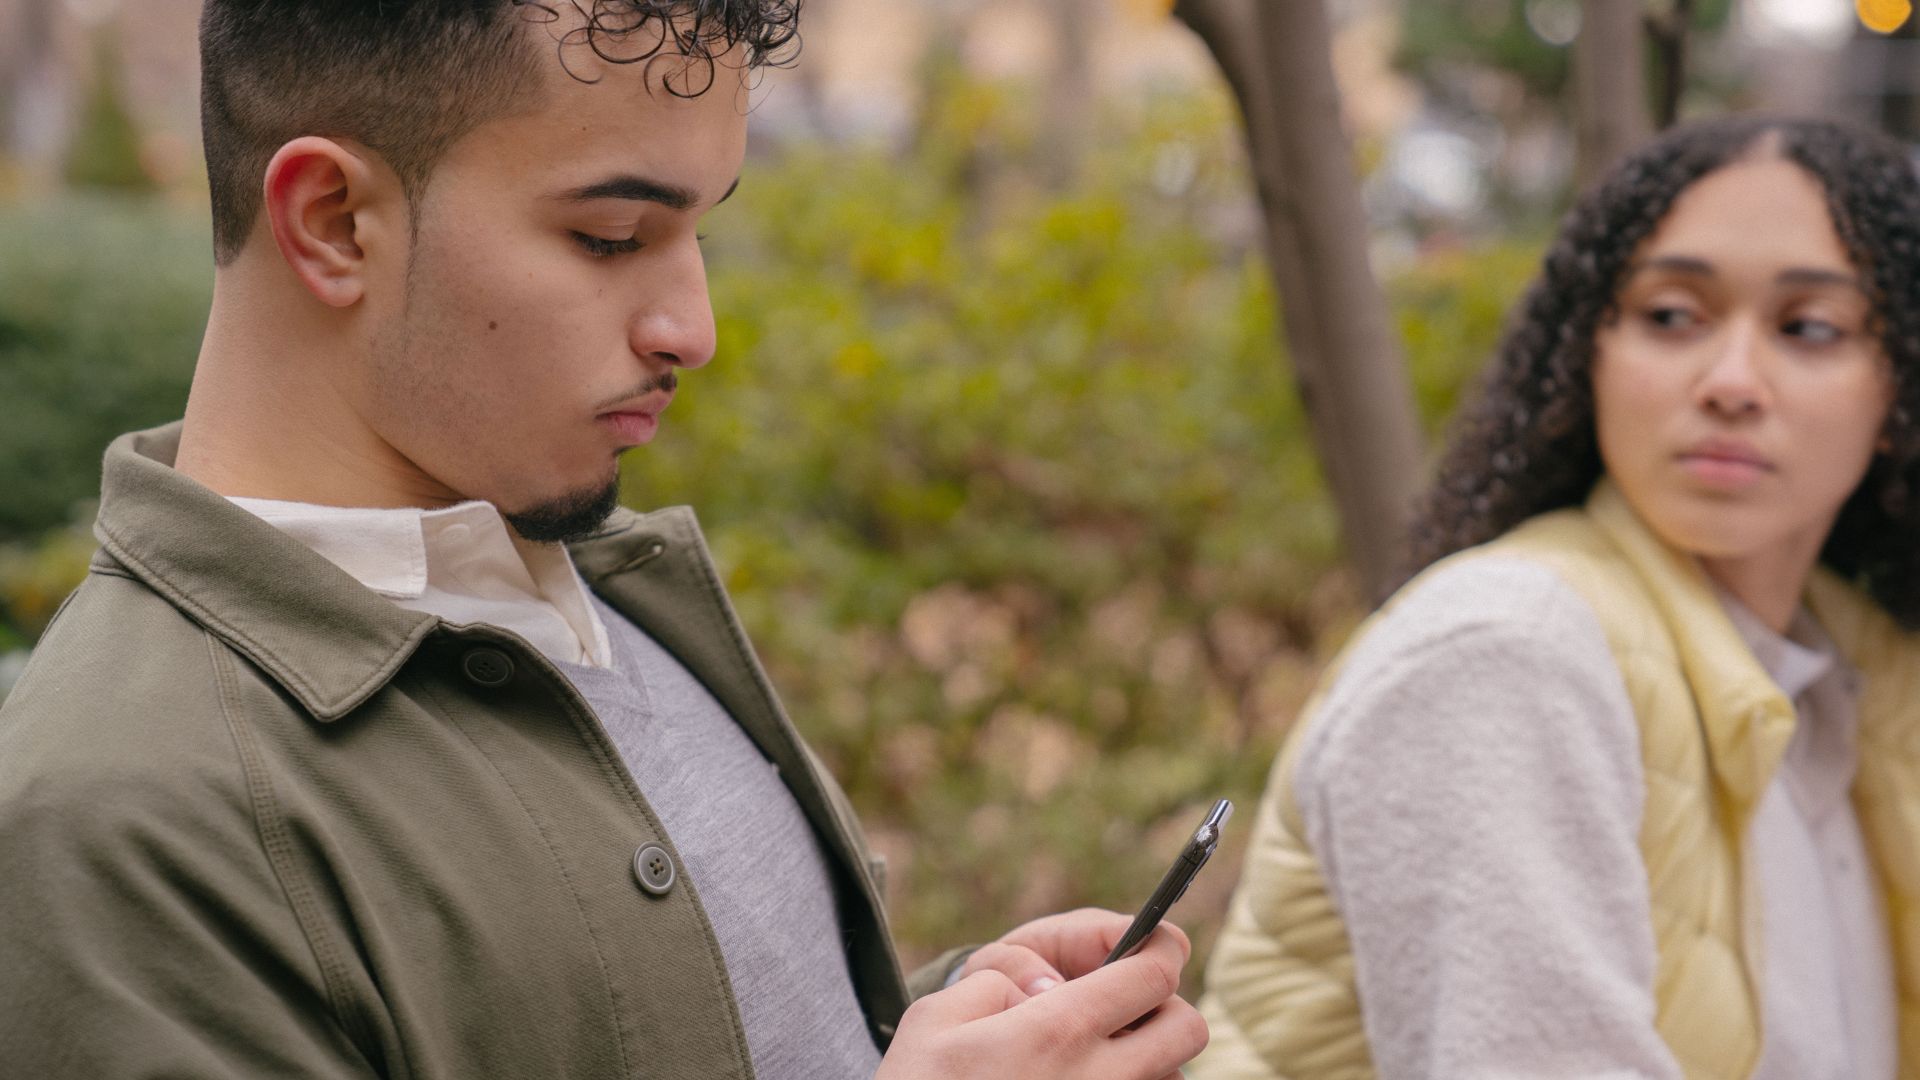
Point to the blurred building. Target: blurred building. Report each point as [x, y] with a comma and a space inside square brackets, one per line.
[1446, 143]
[858, 76]
[49, 54]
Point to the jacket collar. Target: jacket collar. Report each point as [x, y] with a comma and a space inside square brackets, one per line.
[1884, 654]
[1747, 720]
[328, 640]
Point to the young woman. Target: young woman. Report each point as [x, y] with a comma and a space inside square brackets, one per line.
[1626, 782]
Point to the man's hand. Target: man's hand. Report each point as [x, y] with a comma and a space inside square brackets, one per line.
[1047, 952]
[988, 1025]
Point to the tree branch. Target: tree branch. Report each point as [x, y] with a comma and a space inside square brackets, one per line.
[1276, 55]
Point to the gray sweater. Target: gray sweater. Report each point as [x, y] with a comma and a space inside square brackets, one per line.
[749, 851]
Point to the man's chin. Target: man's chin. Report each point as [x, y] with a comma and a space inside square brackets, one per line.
[574, 516]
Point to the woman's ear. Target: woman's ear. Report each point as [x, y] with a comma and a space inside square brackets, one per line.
[316, 189]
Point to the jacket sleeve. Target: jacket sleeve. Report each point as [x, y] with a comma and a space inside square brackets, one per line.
[145, 934]
[1473, 793]
[936, 974]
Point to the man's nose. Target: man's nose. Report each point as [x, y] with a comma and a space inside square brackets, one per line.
[675, 322]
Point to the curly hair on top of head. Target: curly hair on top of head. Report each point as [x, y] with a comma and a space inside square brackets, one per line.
[1528, 444]
[701, 31]
[409, 79]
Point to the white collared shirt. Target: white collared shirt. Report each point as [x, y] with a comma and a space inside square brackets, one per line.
[462, 563]
[1829, 1000]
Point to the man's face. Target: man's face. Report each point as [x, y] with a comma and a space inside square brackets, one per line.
[555, 289]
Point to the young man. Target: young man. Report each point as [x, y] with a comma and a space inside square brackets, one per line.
[378, 743]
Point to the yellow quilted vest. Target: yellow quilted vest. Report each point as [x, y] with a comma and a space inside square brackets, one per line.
[1280, 987]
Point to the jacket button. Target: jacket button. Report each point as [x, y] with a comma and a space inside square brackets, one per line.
[488, 667]
[653, 868]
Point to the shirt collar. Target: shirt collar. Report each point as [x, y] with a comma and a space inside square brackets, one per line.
[383, 549]
[1794, 660]
[463, 553]
[1820, 762]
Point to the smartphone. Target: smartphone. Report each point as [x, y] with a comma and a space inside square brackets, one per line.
[1174, 885]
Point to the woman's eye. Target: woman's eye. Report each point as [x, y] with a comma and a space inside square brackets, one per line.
[1671, 318]
[1813, 331]
[603, 248]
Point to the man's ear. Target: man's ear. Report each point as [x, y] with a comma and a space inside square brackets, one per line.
[317, 201]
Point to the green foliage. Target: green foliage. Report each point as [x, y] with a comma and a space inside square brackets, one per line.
[983, 470]
[1440, 38]
[102, 303]
[106, 147]
[1012, 485]
[1481, 33]
[1450, 300]
[35, 578]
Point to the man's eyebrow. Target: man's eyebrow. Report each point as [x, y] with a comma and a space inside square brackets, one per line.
[641, 189]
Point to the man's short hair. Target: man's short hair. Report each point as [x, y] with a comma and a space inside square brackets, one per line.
[408, 79]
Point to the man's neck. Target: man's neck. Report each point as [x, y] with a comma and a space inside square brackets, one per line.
[266, 418]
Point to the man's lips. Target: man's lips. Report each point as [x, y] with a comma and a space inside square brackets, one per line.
[636, 423]
[634, 418]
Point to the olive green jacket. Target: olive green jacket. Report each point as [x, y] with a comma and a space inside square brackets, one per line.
[257, 821]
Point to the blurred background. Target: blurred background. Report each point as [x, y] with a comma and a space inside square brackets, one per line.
[1041, 513]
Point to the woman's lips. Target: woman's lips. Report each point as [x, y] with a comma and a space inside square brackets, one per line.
[1726, 465]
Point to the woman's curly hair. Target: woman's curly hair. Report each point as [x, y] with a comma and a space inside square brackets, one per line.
[1527, 444]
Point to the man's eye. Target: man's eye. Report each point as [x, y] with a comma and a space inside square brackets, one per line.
[602, 248]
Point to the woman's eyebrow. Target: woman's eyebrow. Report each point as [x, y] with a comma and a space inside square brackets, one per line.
[1797, 275]
[1813, 276]
[1679, 264]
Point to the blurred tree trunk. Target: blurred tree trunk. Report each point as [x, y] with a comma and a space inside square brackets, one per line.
[33, 131]
[1670, 31]
[809, 80]
[1277, 57]
[1071, 100]
[1609, 87]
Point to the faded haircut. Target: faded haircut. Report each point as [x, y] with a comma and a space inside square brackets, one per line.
[409, 79]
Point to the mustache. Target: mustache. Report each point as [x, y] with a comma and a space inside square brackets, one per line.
[667, 381]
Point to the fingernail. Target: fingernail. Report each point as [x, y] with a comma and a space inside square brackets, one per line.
[1041, 985]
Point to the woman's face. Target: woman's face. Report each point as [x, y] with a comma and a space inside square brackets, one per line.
[1740, 391]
